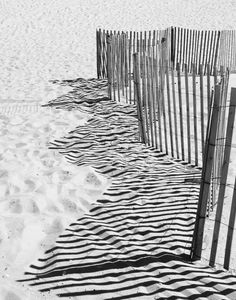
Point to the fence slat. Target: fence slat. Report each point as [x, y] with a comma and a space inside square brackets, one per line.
[153, 93]
[158, 93]
[175, 112]
[187, 112]
[126, 66]
[224, 172]
[138, 95]
[109, 66]
[169, 110]
[150, 115]
[230, 230]
[205, 183]
[208, 89]
[130, 68]
[195, 113]
[202, 109]
[180, 112]
[98, 53]
[204, 52]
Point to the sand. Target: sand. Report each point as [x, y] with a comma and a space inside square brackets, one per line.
[40, 193]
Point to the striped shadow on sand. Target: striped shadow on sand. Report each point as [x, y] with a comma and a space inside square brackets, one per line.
[135, 241]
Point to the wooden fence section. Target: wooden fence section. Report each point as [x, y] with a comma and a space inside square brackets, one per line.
[216, 123]
[198, 47]
[175, 107]
[227, 49]
[121, 47]
[101, 44]
[183, 46]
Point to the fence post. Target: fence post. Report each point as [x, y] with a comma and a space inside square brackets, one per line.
[138, 95]
[205, 180]
[223, 177]
[109, 66]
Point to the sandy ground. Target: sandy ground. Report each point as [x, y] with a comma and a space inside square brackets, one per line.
[39, 42]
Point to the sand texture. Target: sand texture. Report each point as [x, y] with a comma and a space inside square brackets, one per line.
[86, 211]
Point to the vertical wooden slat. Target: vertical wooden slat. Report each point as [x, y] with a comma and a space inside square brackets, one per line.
[169, 111]
[175, 47]
[98, 53]
[189, 62]
[118, 64]
[213, 51]
[134, 50]
[195, 114]
[184, 49]
[150, 115]
[178, 46]
[158, 99]
[187, 47]
[210, 50]
[126, 66]
[204, 53]
[109, 65]
[163, 106]
[208, 88]
[153, 102]
[181, 47]
[103, 54]
[172, 50]
[138, 95]
[200, 49]
[197, 52]
[202, 108]
[175, 113]
[180, 112]
[145, 100]
[217, 49]
[223, 177]
[130, 67]
[188, 113]
[114, 78]
[121, 48]
[230, 230]
[205, 181]
[193, 48]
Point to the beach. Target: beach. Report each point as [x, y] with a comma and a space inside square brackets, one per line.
[41, 193]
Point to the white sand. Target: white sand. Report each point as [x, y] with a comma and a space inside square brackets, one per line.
[40, 193]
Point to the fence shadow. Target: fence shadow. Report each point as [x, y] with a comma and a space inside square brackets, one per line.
[136, 239]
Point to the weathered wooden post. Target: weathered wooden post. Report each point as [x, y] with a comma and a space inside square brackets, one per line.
[109, 66]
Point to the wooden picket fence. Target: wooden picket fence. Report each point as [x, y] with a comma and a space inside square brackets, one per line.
[213, 143]
[175, 79]
[183, 46]
[115, 58]
[227, 50]
[175, 108]
[198, 47]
